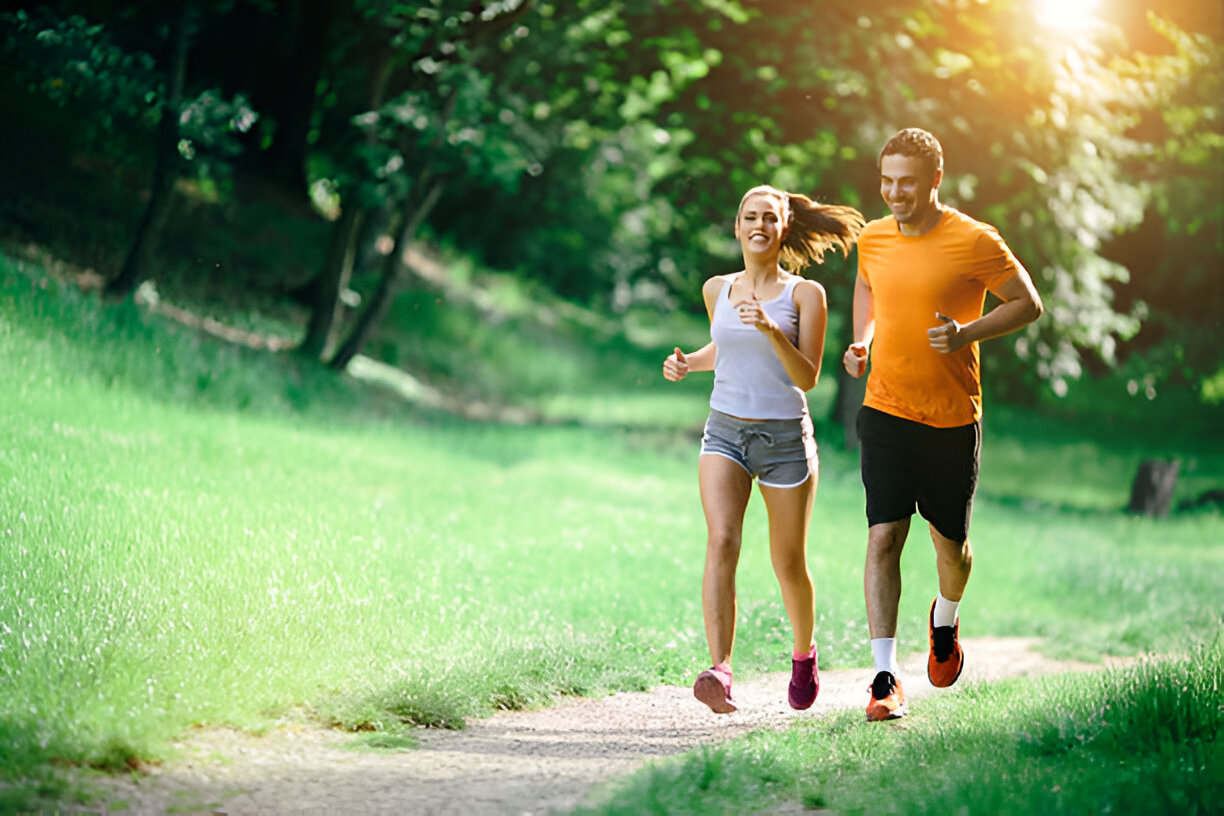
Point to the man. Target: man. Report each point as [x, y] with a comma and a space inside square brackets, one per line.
[918, 300]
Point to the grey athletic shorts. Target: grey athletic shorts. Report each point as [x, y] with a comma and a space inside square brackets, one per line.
[776, 452]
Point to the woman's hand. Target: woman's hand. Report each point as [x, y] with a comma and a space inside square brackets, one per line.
[675, 367]
[751, 313]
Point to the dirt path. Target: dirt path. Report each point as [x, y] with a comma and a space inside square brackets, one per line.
[515, 763]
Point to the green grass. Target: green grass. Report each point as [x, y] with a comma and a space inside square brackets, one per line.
[1140, 740]
[194, 533]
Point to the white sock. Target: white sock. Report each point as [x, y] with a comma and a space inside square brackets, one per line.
[945, 611]
[884, 652]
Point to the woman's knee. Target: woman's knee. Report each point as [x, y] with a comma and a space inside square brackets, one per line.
[789, 559]
[793, 572]
[723, 544]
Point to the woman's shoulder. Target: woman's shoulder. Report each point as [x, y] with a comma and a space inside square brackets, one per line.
[717, 282]
[807, 290]
[799, 282]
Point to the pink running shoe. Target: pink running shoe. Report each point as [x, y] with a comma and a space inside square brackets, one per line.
[805, 682]
[713, 687]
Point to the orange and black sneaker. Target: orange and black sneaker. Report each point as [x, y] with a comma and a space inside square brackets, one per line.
[946, 660]
[887, 699]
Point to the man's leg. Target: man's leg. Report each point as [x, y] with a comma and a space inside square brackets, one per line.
[882, 590]
[954, 561]
[882, 576]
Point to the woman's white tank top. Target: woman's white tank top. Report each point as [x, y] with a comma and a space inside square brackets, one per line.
[749, 380]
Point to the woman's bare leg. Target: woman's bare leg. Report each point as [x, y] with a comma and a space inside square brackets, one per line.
[725, 490]
[790, 511]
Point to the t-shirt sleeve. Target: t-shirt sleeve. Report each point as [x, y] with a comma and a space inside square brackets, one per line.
[863, 250]
[994, 262]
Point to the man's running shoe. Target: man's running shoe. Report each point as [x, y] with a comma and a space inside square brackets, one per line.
[713, 687]
[887, 699]
[946, 660]
[805, 682]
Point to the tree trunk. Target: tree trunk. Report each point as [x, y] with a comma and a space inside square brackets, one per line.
[324, 290]
[413, 214]
[290, 101]
[1152, 491]
[850, 393]
[165, 169]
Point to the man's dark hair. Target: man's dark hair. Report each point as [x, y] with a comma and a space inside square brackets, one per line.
[916, 142]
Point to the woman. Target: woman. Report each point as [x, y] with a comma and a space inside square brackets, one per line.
[767, 330]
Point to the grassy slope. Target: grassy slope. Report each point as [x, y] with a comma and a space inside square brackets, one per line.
[204, 534]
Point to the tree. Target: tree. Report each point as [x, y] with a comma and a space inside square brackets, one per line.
[600, 146]
[416, 135]
[483, 95]
[165, 169]
[1174, 253]
[117, 94]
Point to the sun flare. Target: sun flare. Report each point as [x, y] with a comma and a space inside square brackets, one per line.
[1070, 16]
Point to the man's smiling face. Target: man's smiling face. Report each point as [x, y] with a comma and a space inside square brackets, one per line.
[908, 188]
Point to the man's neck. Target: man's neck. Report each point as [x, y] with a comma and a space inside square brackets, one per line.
[929, 219]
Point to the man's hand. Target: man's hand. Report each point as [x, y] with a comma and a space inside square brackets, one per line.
[946, 338]
[855, 360]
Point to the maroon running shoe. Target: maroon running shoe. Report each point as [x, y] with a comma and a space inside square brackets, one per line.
[805, 682]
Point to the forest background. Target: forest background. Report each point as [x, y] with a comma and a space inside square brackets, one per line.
[284, 157]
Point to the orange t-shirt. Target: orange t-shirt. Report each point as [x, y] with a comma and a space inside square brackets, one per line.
[946, 270]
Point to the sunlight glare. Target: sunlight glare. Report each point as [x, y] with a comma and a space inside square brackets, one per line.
[1069, 16]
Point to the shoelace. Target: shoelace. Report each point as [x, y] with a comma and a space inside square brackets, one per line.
[944, 642]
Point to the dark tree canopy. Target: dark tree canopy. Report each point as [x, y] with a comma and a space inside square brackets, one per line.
[600, 147]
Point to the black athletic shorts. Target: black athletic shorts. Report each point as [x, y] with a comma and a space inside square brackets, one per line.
[908, 465]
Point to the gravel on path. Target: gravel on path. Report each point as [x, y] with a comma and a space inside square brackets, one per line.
[526, 762]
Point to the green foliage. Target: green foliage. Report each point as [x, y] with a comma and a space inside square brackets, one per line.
[210, 124]
[1041, 134]
[1179, 244]
[75, 63]
[114, 95]
[599, 148]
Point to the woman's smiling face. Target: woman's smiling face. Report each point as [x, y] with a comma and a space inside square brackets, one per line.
[761, 225]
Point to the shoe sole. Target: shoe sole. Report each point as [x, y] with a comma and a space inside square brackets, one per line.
[950, 682]
[805, 706]
[896, 714]
[708, 690]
